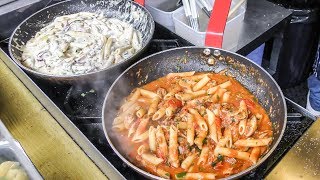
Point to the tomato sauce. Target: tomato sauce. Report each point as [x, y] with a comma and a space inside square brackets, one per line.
[221, 166]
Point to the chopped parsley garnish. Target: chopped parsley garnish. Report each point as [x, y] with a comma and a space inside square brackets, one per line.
[181, 175]
[204, 141]
[194, 147]
[219, 159]
[168, 175]
[214, 163]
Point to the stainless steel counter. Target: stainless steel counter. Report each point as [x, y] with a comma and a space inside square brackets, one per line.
[262, 20]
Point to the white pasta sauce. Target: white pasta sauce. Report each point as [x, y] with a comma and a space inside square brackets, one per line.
[80, 43]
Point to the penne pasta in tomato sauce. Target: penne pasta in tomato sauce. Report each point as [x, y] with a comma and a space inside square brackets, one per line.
[193, 126]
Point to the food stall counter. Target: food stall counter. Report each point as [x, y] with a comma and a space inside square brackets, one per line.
[50, 148]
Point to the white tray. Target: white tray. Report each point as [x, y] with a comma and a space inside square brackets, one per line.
[162, 11]
[11, 150]
[231, 33]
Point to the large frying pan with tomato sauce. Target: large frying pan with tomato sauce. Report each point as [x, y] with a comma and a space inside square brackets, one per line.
[249, 74]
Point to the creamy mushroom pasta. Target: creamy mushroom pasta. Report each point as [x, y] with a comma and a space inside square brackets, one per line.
[193, 126]
[80, 43]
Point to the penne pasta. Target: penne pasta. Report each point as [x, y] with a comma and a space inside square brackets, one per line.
[212, 90]
[152, 159]
[190, 123]
[173, 146]
[242, 126]
[217, 112]
[128, 105]
[253, 142]
[172, 92]
[140, 138]
[195, 77]
[153, 106]
[182, 74]
[255, 154]
[144, 100]
[191, 168]
[170, 111]
[199, 139]
[135, 95]
[219, 94]
[190, 95]
[118, 127]
[128, 108]
[161, 92]
[107, 48]
[228, 137]
[201, 83]
[162, 143]
[222, 142]
[190, 129]
[142, 149]
[212, 126]
[198, 93]
[141, 112]
[231, 153]
[149, 94]
[128, 120]
[183, 97]
[186, 163]
[141, 127]
[162, 173]
[117, 120]
[133, 128]
[199, 119]
[182, 125]
[187, 84]
[159, 114]
[203, 155]
[226, 97]
[152, 139]
[225, 84]
[252, 126]
[198, 101]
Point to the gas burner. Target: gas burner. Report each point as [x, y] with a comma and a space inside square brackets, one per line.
[84, 101]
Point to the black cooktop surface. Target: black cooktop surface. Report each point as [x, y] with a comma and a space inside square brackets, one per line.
[83, 105]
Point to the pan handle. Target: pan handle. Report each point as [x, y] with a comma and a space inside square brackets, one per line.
[141, 2]
[217, 23]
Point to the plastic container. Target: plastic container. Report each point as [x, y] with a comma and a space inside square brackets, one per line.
[11, 150]
[162, 11]
[231, 33]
